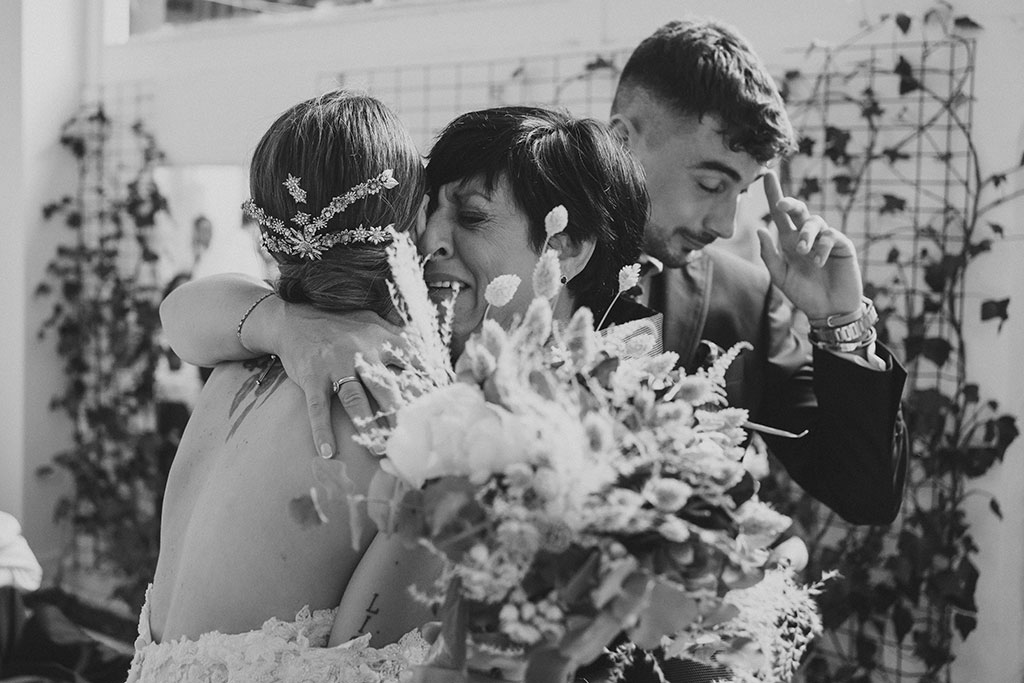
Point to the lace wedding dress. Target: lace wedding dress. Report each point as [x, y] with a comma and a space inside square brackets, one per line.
[280, 652]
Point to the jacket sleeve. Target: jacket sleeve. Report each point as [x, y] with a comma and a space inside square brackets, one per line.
[854, 456]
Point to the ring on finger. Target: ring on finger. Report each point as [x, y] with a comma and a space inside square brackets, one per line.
[338, 384]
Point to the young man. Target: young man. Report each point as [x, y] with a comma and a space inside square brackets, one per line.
[701, 113]
[703, 116]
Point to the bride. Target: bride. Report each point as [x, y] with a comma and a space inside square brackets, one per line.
[250, 572]
[245, 547]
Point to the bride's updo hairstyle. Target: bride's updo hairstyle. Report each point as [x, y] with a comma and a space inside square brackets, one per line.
[332, 144]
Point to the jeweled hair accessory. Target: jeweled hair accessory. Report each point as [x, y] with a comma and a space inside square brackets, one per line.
[309, 239]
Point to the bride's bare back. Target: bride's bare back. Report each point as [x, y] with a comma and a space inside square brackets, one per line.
[240, 539]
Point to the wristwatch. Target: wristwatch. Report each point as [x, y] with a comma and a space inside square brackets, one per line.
[847, 331]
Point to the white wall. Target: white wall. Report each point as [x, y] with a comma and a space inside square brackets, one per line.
[215, 88]
[12, 304]
[43, 62]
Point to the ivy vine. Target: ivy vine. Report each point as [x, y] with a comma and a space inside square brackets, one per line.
[907, 592]
[105, 296]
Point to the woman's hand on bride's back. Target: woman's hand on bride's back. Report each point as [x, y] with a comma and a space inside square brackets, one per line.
[318, 349]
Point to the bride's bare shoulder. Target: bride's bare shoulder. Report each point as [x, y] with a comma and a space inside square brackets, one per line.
[240, 517]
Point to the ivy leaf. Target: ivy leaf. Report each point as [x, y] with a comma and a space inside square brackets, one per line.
[997, 229]
[902, 622]
[599, 63]
[843, 183]
[893, 256]
[937, 350]
[998, 179]
[836, 140]
[75, 144]
[965, 21]
[1001, 432]
[971, 393]
[903, 21]
[893, 154]
[967, 575]
[927, 410]
[994, 506]
[909, 546]
[805, 146]
[995, 308]
[975, 461]
[808, 188]
[932, 304]
[940, 272]
[908, 82]
[964, 623]
[912, 346]
[979, 247]
[869, 107]
[892, 204]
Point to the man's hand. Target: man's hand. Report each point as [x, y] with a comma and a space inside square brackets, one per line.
[813, 264]
[317, 349]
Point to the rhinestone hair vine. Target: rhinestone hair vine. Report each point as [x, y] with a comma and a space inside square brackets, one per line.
[309, 239]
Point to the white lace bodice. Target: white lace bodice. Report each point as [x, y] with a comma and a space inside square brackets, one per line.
[279, 652]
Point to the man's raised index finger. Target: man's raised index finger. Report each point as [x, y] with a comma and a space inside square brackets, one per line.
[773, 191]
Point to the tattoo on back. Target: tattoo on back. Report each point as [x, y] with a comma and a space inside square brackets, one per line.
[266, 374]
[371, 612]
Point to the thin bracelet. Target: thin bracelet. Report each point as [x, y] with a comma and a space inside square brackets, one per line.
[841, 319]
[245, 316]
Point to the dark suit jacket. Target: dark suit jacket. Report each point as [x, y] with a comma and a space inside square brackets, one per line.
[854, 457]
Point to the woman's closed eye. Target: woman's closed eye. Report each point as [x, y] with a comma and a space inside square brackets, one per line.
[470, 219]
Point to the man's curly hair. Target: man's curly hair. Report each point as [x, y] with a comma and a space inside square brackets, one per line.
[704, 67]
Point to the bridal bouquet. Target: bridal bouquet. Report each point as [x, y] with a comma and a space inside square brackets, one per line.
[578, 486]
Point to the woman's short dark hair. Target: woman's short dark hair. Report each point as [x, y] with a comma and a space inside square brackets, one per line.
[551, 158]
[333, 143]
[704, 67]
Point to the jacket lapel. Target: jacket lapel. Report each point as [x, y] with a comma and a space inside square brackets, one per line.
[688, 293]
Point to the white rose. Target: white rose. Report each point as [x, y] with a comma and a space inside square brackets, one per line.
[450, 432]
[492, 442]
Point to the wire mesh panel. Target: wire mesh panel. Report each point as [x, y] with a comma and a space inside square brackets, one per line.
[427, 96]
[885, 154]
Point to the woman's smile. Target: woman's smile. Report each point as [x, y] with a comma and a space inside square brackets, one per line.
[474, 235]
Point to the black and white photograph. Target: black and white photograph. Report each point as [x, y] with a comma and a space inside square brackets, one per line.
[543, 341]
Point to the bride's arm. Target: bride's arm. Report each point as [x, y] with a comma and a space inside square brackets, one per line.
[377, 599]
[201, 320]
